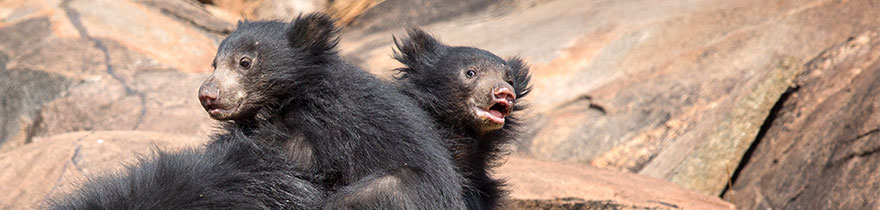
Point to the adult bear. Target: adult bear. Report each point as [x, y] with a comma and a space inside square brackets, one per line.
[471, 93]
[286, 87]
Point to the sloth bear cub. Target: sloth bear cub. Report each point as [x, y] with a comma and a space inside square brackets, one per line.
[286, 87]
[303, 130]
[471, 94]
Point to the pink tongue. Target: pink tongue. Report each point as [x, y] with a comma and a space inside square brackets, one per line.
[496, 113]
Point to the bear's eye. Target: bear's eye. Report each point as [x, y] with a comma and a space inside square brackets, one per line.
[245, 63]
[470, 73]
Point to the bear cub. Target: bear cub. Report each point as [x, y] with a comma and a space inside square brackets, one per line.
[472, 95]
[372, 147]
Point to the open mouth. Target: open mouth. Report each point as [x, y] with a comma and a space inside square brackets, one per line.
[496, 113]
[217, 111]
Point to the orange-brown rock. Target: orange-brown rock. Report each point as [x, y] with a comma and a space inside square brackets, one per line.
[671, 89]
[676, 90]
[820, 149]
[103, 65]
[54, 165]
[546, 184]
[270, 9]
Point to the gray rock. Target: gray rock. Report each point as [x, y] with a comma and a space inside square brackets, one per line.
[23, 91]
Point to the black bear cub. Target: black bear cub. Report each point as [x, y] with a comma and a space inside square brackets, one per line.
[234, 174]
[285, 86]
[471, 93]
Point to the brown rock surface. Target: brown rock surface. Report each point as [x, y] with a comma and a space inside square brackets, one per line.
[820, 152]
[676, 90]
[536, 183]
[670, 89]
[130, 65]
[269, 9]
[87, 86]
[53, 165]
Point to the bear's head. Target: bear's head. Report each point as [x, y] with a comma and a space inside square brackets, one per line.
[259, 64]
[462, 84]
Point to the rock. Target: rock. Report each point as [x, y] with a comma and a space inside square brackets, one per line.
[95, 83]
[347, 11]
[23, 92]
[820, 148]
[671, 89]
[676, 90]
[286, 9]
[269, 9]
[192, 12]
[242, 9]
[155, 102]
[390, 14]
[55, 165]
[575, 204]
[127, 65]
[145, 30]
[546, 184]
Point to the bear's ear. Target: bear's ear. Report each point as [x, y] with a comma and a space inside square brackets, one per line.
[314, 34]
[519, 71]
[419, 50]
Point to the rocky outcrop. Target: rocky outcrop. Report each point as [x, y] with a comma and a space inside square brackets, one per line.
[89, 86]
[819, 149]
[23, 92]
[392, 14]
[130, 65]
[676, 90]
[52, 166]
[268, 9]
[547, 184]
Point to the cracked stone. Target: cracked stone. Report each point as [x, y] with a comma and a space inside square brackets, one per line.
[677, 88]
[107, 84]
[23, 93]
[822, 148]
[707, 67]
[56, 164]
[150, 32]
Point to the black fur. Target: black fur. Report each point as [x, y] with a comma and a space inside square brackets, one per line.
[234, 174]
[375, 147]
[324, 134]
[432, 77]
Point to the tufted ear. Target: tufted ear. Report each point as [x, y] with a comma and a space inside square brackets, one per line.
[418, 51]
[314, 34]
[519, 70]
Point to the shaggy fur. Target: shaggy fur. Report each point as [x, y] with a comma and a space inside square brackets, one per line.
[234, 174]
[434, 77]
[373, 146]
